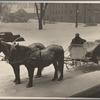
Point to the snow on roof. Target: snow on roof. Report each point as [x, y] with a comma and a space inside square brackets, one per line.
[14, 9]
[29, 10]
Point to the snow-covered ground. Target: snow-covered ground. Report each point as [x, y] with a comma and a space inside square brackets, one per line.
[58, 33]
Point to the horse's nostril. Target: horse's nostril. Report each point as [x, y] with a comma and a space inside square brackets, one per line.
[2, 59]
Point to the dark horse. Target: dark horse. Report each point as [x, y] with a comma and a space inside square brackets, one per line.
[5, 48]
[52, 54]
[95, 54]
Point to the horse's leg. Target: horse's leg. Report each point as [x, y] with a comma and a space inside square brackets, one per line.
[39, 72]
[60, 67]
[56, 69]
[30, 74]
[17, 73]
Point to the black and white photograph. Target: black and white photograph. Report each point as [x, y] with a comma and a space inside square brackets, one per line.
[49, 49]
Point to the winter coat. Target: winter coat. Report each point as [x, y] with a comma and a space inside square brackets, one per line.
[78, 40]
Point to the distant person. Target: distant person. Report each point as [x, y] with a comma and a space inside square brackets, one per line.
[78, 39]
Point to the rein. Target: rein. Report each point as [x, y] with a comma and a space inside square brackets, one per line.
[1, 56]
[68, 49]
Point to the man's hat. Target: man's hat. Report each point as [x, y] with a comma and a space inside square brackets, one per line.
[77, 34]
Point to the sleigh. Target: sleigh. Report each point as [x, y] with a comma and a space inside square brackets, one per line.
[76, 56]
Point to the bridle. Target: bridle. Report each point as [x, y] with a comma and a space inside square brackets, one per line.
[3, 57]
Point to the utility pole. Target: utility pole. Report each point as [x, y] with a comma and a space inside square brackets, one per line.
[85, 14]
[77, 11]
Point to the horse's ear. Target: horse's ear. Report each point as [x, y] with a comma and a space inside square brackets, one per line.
[17, 43]
[17, 46]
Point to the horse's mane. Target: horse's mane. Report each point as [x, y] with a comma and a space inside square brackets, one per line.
[22, 50]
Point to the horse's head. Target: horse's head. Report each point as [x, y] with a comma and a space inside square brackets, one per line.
[5, 48]
[88, 54]
[1, 46]
[92, 57]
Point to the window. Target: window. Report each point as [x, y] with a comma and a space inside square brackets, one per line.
[50, 12]
[62, 11]
[79, 17]
[61, 17]
[58, 11]
[49, 6]
[56, 5]
[57, 17]
[73, 5]
[90, 5]
[65, 5]
[71, 18]
[65, 12]
[96, 10]
[71, 11]
[55, 11]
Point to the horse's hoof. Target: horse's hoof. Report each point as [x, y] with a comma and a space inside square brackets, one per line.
[37, 76]
[60, 79]
[18, 82]
[54, 79]
[14, 81]
[29, 86]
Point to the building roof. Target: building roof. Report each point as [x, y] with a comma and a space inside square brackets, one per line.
[29, 10]
[16, 7]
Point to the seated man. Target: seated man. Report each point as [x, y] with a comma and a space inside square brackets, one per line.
[77, 39]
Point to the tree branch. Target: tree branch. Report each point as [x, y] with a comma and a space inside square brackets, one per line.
[44, 9]
[45, 6]
[41, 10]
[37, 11]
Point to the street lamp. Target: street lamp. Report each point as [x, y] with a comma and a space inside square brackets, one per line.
[77, 11]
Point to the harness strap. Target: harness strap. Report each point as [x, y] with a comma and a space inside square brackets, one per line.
[40, 54]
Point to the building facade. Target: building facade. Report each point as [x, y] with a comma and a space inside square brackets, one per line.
[67, 12]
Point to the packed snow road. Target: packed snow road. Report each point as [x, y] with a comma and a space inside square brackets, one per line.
[58, 33]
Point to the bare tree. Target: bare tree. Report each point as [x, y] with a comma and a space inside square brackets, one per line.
[41, 14]
[4, 10]
[0, 10]
[85, 14]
